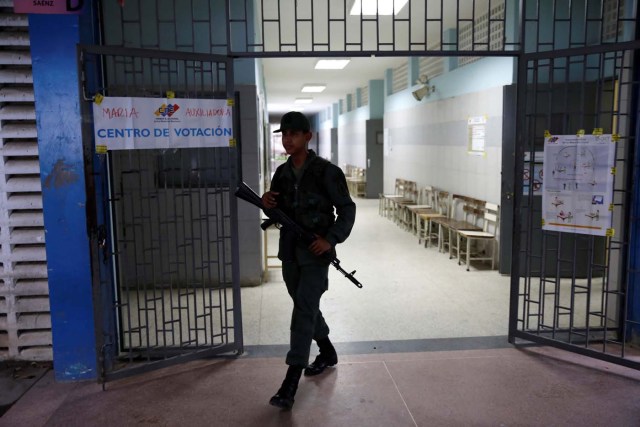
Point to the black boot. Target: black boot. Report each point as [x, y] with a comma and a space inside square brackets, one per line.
[284, 397]
[327, 357]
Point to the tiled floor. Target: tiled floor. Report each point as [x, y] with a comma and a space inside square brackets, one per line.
[498, 387]
[422, 344]
[409, 292]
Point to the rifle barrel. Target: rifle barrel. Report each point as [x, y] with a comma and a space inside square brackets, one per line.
[336, 263]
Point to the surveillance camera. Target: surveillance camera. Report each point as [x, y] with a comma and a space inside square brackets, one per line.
[418, 94]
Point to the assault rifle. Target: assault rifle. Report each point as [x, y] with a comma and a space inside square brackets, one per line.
[276, 216]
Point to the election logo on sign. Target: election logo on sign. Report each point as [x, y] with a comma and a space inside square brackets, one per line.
[123, 123]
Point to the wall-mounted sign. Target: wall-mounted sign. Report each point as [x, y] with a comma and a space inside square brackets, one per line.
[147, 123]
[477, 134]
[577, 191]
[53, 7]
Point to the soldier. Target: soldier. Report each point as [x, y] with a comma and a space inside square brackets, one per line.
[307, 188]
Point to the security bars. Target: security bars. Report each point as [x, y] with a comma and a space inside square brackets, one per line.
[172, 253]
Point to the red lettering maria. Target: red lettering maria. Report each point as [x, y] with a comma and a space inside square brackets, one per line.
[114, 113]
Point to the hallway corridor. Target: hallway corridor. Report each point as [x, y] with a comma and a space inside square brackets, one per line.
[409, 291]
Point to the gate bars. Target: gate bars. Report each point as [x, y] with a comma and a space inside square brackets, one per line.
[280, 28]
[166, 222]
[570, 290]
[574, 55]
[576, 72]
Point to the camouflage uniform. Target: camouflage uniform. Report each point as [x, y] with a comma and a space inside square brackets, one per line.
[308, 196]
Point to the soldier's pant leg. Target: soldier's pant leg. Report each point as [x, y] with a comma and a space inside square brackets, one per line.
[305, 285]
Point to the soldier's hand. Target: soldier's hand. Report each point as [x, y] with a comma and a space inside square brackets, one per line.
[319, 246]
[269, 199]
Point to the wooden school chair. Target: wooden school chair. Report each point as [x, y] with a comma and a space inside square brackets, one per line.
[427, 229]
[463, 213]
[485, 251]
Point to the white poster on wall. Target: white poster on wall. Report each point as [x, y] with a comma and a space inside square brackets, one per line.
[477, 135]
[125, 123]
[577, 191]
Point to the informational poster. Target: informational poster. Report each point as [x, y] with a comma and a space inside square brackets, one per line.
[123, 123]
[577, 190]
[477, 134]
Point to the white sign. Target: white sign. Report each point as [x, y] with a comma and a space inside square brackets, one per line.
[477, 134]
[147, 123]
[577, 190]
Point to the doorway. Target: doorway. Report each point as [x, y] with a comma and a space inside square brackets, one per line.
[548, 29]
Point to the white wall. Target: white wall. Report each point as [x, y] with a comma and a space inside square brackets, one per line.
[324, 136]
[250, 233]
[352, 138]
[429, 144]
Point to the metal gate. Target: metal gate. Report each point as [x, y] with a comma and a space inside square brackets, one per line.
[165, 222]
[576, 60]
[571, 290]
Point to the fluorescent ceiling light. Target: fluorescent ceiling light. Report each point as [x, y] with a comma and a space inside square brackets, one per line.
[314, 88]
[384, 7]
[304, 100]
[331, 64]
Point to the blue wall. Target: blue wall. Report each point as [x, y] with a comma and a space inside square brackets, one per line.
[633, 309]
[53, 49]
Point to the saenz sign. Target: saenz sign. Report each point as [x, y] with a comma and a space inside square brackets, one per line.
[48, 6]
[122, 123]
